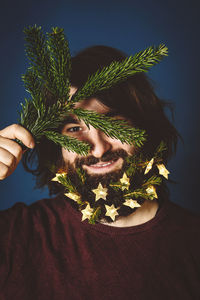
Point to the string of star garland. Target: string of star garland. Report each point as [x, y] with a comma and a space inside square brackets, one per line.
[132, 195]
[49, 73]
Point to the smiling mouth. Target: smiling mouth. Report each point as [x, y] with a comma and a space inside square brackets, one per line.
[103, 166]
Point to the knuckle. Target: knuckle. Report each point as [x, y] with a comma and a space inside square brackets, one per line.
[18, 151]
[10, 161]
[15, 127]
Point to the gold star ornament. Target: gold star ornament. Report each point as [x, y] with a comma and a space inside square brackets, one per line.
[163, 171]
[87, 212]
[131, 203]
[73, 196]
[111, 211]
[149, 166]
[152, 192]
[125, 181]
[56, 178]
[100, 192]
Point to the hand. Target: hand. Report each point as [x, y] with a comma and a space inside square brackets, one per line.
[10, 151]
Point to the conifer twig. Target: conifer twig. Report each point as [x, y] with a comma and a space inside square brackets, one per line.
[119, 71]
[49, 72]
[112, 127]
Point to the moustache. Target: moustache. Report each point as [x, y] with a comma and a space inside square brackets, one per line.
[109, 155]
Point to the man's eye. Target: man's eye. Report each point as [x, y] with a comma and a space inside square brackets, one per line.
[74, 129]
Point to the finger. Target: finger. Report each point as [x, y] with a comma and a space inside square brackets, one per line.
[7, 158]
[4, 171]
[16, 131]
[12, 147]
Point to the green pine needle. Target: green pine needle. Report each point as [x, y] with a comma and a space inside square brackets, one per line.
[60, 62]
[114, 128]
[49, 74]
[69, 143]
[37, 53]
[153, 180]
[119, 71]
[66, 182]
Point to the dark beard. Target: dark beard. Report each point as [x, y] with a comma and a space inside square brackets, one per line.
[114, 197]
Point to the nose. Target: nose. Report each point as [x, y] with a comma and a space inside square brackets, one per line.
[99, 141]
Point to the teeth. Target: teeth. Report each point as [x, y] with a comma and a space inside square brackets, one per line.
[103, 165]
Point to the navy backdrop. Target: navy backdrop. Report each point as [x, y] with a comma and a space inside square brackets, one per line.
[130, 26]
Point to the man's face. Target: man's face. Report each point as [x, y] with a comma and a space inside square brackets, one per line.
[100, 143]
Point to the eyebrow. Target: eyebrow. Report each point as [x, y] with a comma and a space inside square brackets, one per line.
[71, 119]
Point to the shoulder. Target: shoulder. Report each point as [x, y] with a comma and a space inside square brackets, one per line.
[21, 214]
[182, 217]
[182, 227]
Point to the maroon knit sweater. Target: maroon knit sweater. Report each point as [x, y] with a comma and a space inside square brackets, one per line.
[46, 253]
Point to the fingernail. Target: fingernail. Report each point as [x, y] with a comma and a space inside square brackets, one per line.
[31, 145]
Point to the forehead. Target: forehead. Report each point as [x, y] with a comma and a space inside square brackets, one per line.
[93, 104]
[90, 104]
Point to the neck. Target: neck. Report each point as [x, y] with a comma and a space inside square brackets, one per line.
[142, 215]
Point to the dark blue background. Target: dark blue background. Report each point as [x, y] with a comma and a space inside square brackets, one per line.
[130, 26]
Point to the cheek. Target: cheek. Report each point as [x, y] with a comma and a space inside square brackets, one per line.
[68, 156]
[128, 148]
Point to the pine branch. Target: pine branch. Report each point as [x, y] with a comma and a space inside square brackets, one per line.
[114, 128]
[60, 63]
[37, 53]
[135, 162]
[81, 174]
[32, 83]
[49, 71]
[160, 149]
[66, 182]
[95, 216]
[153, 180]
[137, 193]
[119, 71]
[37, 118]
[69, 143]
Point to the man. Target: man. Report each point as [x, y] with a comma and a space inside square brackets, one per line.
[48, 252]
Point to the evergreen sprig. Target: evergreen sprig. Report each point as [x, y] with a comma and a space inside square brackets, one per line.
[95, 216]
[37, 53]
[67, 142]
[119, 71]
[49, 75]
[66, 182]
[114, 128]
[153, 180]
[60, 63]
[81, 174]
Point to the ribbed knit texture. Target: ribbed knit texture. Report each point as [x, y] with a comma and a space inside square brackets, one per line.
[46, 253]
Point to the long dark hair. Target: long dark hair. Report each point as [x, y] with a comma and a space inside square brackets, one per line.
[134, 99]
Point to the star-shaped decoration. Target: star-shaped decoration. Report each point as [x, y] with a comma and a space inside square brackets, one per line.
[100, 192]
[111, 211]
[152, 192]
[73, 196]
[163, 171]
[56, 178]
[87, 212]
[149, 166]
[125, 181]
[131, 203]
